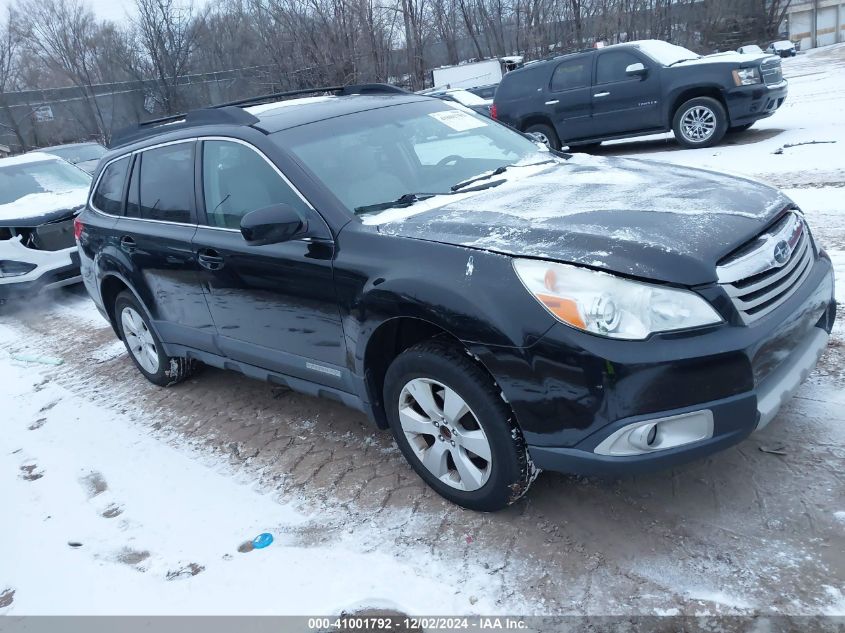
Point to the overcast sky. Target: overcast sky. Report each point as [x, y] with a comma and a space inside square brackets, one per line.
[114, 10]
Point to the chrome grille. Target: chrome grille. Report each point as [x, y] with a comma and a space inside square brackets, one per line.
[771, 71]
[765, 273]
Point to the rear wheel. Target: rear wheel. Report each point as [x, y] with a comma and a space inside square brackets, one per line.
[700, 122]
[546, 134]
[453, 427]
[144, 347]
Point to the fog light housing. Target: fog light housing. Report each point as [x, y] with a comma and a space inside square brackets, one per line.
[649, 436]
[11, 268]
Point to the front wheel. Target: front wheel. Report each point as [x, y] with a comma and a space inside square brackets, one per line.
[453, 427]
[700, 122]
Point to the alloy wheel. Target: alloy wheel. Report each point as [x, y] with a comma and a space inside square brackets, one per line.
[698, 124]
[445, 434]
[139, 339]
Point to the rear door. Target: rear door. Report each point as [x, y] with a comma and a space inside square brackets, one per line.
[621, 102]
[274, 305]
[568, 98]
[155, 238]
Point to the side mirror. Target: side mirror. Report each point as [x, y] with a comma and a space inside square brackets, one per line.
[272, 225]
[636, 70]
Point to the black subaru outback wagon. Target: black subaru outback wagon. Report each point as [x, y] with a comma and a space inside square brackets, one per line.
[500, 307]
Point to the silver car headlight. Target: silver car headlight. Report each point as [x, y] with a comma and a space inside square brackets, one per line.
[607, 305]
[746, 76]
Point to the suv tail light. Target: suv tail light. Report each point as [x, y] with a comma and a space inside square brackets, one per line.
[494, 113]
[77, 228]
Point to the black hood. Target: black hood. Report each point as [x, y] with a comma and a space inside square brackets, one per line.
[642, 218]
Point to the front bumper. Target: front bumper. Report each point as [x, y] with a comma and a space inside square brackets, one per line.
[52, 269]
[747, 104]
[572, 392]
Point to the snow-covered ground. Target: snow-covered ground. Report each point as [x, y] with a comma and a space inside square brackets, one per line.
[117, 497]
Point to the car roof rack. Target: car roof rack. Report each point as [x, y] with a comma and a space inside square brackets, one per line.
[232, 112]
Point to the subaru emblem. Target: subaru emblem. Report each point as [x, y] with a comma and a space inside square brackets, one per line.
[782, 252]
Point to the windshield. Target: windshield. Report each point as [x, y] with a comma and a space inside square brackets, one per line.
[77, 153]
[47, 176]
[428, 146]
[665, 53]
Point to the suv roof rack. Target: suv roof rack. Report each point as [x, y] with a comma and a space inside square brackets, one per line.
[232, 113]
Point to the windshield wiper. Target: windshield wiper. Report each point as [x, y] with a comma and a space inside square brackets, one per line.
[405, 200]
[408, 199]
[687, 59]
[496, 172]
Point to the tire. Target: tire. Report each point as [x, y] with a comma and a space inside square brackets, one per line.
[443, 377]
[584, 147]
[547, 132]
[739, 128]
[144, 347]
[712, 117]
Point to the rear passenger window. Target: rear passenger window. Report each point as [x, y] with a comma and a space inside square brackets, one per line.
[165, 189]
[611, 67]
[108, 197]
[237, 180]
[572, 74]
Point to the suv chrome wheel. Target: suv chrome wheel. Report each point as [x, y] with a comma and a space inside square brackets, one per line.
[444, 434]
[139, 339]
[698, 124]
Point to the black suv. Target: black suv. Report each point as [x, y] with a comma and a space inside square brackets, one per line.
[501, 307]
[638, 88]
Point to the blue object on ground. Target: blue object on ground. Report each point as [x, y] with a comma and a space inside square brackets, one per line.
[262, 540]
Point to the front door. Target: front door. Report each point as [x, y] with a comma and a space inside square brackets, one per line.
[568, 99]
[275, 305]
[621, 102]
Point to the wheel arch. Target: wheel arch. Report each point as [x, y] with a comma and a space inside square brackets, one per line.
[387, 342]
[712, 91]
[536, 119]
[111, 285]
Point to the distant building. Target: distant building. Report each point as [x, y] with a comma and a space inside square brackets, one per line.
[812, 23]
[4, 151]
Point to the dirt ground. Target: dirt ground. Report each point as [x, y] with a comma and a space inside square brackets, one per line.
[750, 528]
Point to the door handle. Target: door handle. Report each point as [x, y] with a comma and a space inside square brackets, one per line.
[553, 102]
[602, 94]
[127, 244]
[210, 259]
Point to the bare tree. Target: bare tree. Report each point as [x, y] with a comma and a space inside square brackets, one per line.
[167, 33]
[9, 45]
[62, 34]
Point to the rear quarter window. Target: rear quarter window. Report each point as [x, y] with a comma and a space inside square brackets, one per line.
[522, 83]
[108, 197]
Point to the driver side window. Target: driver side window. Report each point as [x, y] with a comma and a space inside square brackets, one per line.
[237, 180]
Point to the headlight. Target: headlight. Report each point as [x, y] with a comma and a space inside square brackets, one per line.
[611, 306]
[9, 268]
[746, 76]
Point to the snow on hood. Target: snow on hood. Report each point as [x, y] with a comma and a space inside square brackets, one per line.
[730, 57]
[638, 217]
[36, 204]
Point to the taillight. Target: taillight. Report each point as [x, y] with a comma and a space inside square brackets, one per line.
[77, 228]
[494, 112]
